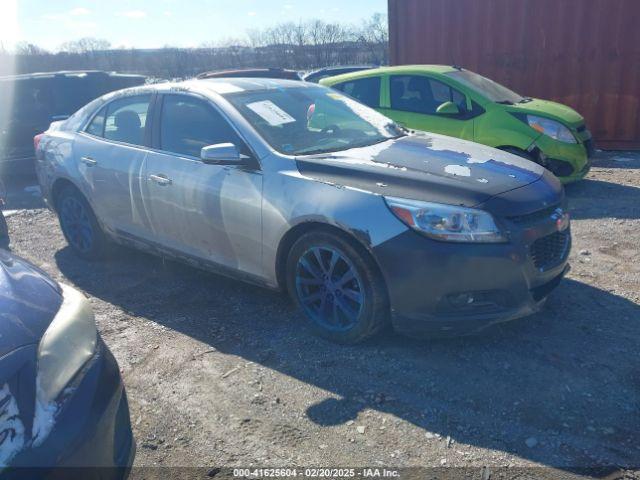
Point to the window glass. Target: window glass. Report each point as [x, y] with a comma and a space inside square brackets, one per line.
[126, 119]
[188, 124]
[484, 86]
[96, 127]
[414, 93]
[365, 90]
[70, 93]
[305, 120]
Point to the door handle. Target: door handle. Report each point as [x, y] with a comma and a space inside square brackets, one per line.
[88, 161]
[161, 179]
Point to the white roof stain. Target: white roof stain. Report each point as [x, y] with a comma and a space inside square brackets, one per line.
[458, 170]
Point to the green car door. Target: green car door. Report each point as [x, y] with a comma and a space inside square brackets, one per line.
[422, 102]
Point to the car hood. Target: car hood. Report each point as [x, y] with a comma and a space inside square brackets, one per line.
[549, 109]
[29, 300]
[425, 166]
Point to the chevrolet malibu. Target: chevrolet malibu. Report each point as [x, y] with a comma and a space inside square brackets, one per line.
[297, 187]
[62, 402]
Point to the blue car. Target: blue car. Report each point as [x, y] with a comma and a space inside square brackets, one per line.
[4, 229]
[62, 401]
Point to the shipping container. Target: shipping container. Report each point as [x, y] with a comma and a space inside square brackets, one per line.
[583, 53]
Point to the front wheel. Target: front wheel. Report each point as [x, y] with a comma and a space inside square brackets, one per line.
[79, 225]
[338, 288]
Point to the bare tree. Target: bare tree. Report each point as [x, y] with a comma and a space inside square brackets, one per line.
[84, 45]
[298, 45]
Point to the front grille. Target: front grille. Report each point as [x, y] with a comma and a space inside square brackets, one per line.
[535, 217]
[549, 251]
[559, 168]
[589, 147]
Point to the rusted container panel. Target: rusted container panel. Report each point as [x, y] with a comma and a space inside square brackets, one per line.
[583, 53]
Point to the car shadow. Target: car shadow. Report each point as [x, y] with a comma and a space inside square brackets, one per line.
[566, 380]
[617, 159]
[593, 199]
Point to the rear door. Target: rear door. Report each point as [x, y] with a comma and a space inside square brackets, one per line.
[212, 212]
[110, 155]
[414, 100]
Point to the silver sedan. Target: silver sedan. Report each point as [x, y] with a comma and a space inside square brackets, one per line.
[298, 187]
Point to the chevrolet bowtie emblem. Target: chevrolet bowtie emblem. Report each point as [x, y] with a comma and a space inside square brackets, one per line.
[561, 218]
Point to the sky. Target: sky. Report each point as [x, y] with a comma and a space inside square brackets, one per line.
[157, 23]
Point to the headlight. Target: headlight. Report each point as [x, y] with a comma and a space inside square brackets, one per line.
[447, 222]
[553, 129]
[64, 348]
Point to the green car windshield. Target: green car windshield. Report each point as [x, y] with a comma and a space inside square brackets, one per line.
[312, 120]
[490, 89]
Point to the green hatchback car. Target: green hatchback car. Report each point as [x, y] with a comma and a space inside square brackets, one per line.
[459, 103]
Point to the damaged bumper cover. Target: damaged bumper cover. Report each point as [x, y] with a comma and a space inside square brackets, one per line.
[92, 432]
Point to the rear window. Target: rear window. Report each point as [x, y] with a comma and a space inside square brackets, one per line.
[365, 90]
[125, 119]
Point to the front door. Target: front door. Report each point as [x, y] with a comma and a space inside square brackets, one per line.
[212, 212]
[414, 101]
[110, 155]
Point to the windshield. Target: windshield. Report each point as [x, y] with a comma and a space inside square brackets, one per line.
[490, 89]
[310, 120]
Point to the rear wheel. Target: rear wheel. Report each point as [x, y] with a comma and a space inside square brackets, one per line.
[338, 288]
[79, 224]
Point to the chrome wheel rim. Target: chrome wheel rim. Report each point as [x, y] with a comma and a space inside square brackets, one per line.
[329, 288]
[76, 224]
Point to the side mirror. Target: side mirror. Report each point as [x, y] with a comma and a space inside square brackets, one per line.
[448, 108]
[221, 154]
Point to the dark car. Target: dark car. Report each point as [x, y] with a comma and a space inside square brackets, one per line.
[29, 103]
[62, 402]
[279, 73]
[4, 229]
[318, 75]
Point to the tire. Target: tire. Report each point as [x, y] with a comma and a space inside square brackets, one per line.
[79, 225]
[345, 304]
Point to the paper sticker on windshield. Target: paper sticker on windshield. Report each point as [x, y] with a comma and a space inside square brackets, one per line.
[270, 112]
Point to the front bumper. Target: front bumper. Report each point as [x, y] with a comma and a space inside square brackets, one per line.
[92, 436]
[569, 162]
[447, 288]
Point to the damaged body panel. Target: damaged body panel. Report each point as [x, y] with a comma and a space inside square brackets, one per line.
[242, 176]
[59, 385]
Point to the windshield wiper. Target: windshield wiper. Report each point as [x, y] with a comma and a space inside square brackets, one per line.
[505, 102]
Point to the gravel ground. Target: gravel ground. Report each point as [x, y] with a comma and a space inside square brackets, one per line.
[220, 373]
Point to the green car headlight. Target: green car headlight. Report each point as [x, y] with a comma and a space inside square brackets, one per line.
[448, 223]
[551, 128]
[68, 343]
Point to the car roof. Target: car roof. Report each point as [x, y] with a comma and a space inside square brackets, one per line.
[67, 73]
[220, 86]
[398, 69]
[252, 73]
